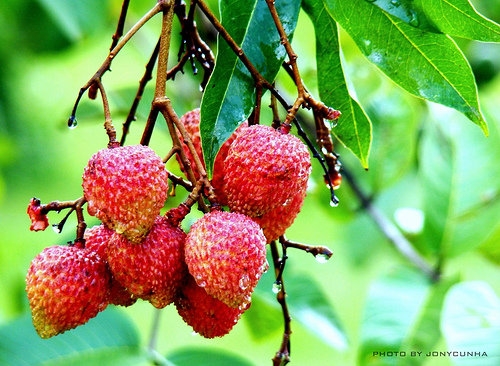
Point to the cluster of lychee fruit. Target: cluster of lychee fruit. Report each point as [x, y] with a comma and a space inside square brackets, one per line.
[209, 273]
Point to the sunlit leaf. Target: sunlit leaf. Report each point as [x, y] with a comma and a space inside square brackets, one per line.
[206, 356]
[354, 128]
[428, 65]
[471, 323]
[108, 339]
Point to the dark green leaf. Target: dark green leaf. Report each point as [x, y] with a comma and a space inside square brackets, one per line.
[354, 128]
[230, 94]
[453, 17]
[428, 65]
[471, 323]
[206, 356]
[109, 339]
[402, 314]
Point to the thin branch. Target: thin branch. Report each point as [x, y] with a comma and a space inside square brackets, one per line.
[120, 25]
[390, 231]
[107, 62]
[148, 75]
[178, 181]
[108, 124]
[282, 357]
[166, 32]
[319, 250]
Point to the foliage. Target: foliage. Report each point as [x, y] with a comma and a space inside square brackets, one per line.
[423, 156]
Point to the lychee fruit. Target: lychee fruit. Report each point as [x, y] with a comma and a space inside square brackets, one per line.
[226, 255]
[275, 222]
[263, 169]
[191, 121]
[97, 240]
[66, 287]
[207, 316]
[154, 269]
[125, 188]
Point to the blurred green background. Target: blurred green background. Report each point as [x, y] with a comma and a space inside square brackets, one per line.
[432, 173]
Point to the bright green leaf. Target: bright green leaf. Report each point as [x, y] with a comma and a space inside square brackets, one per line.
[230, 94]
[470, 322]
[454, 17]
[110, 339]
[204, 356]
[437, 173]
[75, 18]
[354, 129]
[307, 304]
[428, 65]
[402, 314]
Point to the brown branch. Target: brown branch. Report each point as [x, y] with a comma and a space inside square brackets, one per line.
[75, 205]
[390, 231]
[170, 154]
[120, 25]
[148, 75]
[282, 357]
[178, 181]
[274, 108]
[107, 62]
[108, 124]
[323, 252]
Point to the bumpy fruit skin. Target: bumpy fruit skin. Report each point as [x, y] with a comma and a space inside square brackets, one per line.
[226, 255]
[263, 169]
[97, 240]
[207, 316]
[66, 287]
[125, 188]
[275, 222]
[191, 121]
[153, 270]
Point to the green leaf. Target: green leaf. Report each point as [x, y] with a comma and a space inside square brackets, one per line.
[437, 175]
[308, 306]
[402, 314]
[204, 356]
[230, 94]
[354, 128]
[471, 323]
[428, 65]
[108, 339]
[453, 17]
[75, 18]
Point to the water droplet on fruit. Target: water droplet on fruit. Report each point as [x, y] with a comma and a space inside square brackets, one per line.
[56, 228]
[72, 123]
[277, 286]
[193, 333]
[243, 284]
[322, 258]
[202, 284]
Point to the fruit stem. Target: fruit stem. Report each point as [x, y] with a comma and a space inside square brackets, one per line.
[282, 357]
[314, 250]
[120, 26]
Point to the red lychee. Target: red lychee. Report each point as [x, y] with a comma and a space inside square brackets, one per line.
[275, 222]
[263, 169]
[226, 255]
[66, 287]
[154, 269]
[207, 316]
[125, 188]
[191, 121]
[97, 240]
